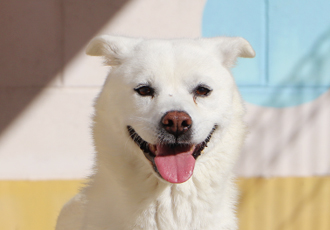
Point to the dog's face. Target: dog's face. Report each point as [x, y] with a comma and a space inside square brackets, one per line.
[171, 96]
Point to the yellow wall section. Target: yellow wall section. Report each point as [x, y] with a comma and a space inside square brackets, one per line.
[285, 204]
[265, 204]
[33, 205]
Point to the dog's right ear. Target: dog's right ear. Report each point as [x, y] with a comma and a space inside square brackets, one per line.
[112, 48]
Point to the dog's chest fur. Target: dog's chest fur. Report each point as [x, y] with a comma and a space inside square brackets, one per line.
[200, 203]
[185, 208]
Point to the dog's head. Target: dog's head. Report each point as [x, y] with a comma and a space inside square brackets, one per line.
[169, 96]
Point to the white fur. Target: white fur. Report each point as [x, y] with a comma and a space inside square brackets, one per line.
[125, 193]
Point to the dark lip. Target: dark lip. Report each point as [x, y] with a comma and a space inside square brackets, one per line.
[144, 146]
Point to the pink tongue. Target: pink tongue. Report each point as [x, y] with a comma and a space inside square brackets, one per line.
[175, 167]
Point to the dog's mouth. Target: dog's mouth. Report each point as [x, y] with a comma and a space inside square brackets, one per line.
[174, 162]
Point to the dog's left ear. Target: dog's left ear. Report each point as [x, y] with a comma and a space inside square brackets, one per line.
[113, 48]
[231, 48]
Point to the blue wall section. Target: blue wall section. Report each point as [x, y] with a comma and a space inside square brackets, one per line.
[292, 42]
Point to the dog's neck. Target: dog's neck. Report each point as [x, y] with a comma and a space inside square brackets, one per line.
[178, 205]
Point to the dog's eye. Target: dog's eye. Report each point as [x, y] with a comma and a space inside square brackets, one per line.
[202, 91]
[145, 91]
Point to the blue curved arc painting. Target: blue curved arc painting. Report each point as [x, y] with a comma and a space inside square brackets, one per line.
[292, 42]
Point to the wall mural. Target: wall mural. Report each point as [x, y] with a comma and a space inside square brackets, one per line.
[292, 42]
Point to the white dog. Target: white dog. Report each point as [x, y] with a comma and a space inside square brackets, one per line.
[167, 129]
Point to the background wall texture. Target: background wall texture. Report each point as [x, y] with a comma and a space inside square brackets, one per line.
[47, 87]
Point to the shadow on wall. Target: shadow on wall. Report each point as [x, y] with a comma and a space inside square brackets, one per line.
[310, 76]
[316, 64]
[38, 38]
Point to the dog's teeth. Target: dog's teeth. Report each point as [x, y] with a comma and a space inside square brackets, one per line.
[152, 148]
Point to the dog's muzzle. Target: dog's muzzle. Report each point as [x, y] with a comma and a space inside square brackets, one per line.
[173, 158]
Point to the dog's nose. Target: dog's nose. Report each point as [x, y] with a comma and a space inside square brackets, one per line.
[176, 122]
